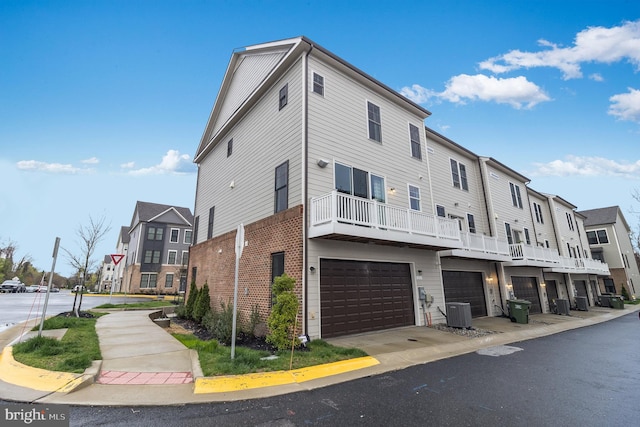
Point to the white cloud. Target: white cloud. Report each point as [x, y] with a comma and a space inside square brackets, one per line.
[172, 163]
[626, 106]
[418, 94]
[517, 91]
[594, 44]
[128, 165]
[35, 165]
[587, 166]
[597, 77]
[91, 161]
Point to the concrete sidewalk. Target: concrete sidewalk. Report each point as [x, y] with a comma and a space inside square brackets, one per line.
[144, 365]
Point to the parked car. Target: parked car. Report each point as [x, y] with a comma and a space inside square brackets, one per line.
[13, 286]
[32, 288]
[42, 288]
[78, 288]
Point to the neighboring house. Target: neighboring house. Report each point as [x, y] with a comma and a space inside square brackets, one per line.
[121, 249]
[339, 184]
[608, 235]
[106, 274]
[158, 249]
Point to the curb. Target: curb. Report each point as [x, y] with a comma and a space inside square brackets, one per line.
[269, 379]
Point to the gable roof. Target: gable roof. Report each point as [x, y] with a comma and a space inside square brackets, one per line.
[601, 216]
[147, 212]
[252, 70]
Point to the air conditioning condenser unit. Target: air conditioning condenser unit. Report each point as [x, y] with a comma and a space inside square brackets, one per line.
[459, 314]
[562, 306]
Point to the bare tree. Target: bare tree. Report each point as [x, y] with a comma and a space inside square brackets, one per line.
[89, 235]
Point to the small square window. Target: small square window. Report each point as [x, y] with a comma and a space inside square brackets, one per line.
[440, 211]
[284, 96]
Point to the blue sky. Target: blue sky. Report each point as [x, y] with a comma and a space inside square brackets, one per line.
[103, 103]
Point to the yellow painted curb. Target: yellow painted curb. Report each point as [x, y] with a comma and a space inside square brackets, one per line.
[269, 379]
[14, 372]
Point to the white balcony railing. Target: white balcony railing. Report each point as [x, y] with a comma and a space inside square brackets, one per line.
[521, 252]
[346, 209]
[524, 252]
[485, 244]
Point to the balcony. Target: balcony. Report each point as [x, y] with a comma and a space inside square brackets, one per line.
[345, 217]
[551, 261]
[478, 246]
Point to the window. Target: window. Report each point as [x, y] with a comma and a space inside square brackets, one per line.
[194, 274]
[318, 84]
[538, 211]
[152, 257]
[414, 198]
[570, 221]
[172, 257]
[155, 233]
[459, 175]
[187, 236]
[569, 249]
[609, 286]
[375, 125]
[546, 243]
[212, 212]
[515, 195]
[527, 239]
[507, 229]
[626, 260]
[277, 269]
[359, 183]
[440, 211]
[414, 135]
[175, 235]
[195, 229]
[168, 280]
[185, 257]
[230, 146]
[472, 223]
[284, 96]
[597, 237]
[281, 196]
[148, 280]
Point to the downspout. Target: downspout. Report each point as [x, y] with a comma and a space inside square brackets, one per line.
[305, 188]
[485, 191]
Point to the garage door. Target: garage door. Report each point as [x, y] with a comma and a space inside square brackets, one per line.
[527, 288]
[552, 291]
[360, 296]
[465, 286]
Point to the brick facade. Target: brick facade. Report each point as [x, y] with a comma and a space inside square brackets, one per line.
[214, 261]
[132, 277]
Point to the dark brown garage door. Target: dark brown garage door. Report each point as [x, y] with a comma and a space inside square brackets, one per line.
[527, 288]
[465, 286]
[359, 296]
[552, 291]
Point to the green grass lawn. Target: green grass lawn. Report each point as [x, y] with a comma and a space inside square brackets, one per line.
[144, 304]
[73, 353]
[215, 359]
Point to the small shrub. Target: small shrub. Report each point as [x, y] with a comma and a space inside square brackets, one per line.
[209, 320]
[254, 320]
[625, 293]
[203, 303]
[283, 314]
[223, 327]
[181, 312]
[191, 300]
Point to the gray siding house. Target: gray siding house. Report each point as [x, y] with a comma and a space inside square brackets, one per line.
[380, 221]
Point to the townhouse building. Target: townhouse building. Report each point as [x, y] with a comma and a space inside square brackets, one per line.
[122, 246]
[608, 235]
[380, 220]
[157, 254]
[106, 274]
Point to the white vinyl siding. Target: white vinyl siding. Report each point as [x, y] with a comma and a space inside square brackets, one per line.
[454, 202]
[338, 132]
[251, 167]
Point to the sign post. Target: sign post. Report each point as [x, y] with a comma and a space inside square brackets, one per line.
[116, 258]
[46, 298]
[239, 248]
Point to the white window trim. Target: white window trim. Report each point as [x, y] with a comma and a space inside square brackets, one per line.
[169, 256]
[182, 257]
[324, 84]
[409, 124]
[409, 185]
[171, 233]
[517, 192]
[184, 237]
[366, 122]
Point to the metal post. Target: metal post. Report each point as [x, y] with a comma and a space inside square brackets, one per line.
[239, 247]
[46, 299]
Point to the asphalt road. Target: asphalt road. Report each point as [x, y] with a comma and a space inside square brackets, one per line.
[16, 308]
[584, 377]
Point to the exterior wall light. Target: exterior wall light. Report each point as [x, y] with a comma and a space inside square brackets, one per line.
[322, 163]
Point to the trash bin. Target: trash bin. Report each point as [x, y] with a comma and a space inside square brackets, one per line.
[519, 310]
[616, 302]
[605, 300]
